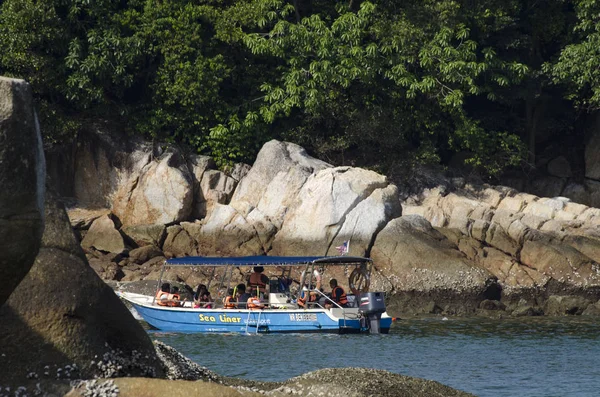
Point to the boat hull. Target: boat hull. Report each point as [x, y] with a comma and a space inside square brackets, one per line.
[176, 319]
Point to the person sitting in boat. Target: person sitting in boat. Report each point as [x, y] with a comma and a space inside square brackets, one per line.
[243, 296]
[168, 296]
[258, 280]
[255, 302]
[307, 297]
[230, 301]
[202, 297]
[338, 295]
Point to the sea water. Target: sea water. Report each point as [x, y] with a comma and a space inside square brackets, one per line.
[525, 357]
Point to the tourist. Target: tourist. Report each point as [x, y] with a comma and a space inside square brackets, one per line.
[202, 297]
[338, 295]
[258, 281]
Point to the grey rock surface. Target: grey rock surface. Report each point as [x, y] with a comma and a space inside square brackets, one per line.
[22, 178]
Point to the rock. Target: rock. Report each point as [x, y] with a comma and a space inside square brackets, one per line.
[135, 387]
[331, 382]
[592, 310]
[63, 314]
[179, 243]
[144, 254]
[82, 218]
[273, 158]
[561, 262]
[560, 167]
[104, 236]
[198, 165]
[215, 187]
[420, 261]
[228, 232]
[22, 177]
[577, 193]
[103, 162]
[585, 243]
[527, 311]
[565, 305]
[142, 235]
[162, 193]
[492, 305]
[323, 207]
[239, 171]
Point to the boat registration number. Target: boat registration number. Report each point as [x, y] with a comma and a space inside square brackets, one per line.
[303, 317]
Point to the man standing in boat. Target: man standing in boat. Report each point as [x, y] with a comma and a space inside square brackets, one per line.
[258, 280]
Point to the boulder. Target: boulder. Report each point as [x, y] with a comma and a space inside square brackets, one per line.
[63, 315]
[227, 231]
[560, 167]
[325, 205]
[142, 235]
[82, 218]
[103, 162]
[162, 193]
[334, 382]
[273, 158]
[104, 236]
[561, 262]
[215, 187]
[144, 254]
[22, 177]
[420, 261]
[178, 242]
[565, 305]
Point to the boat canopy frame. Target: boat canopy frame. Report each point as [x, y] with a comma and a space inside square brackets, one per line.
[309, 262]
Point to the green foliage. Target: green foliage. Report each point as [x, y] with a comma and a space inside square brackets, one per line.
[579, 64]
[370, 83]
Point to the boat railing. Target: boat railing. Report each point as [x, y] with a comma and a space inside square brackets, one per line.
[333, 303]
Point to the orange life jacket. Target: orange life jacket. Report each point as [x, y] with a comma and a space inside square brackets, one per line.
[306, 296]
[255, 303]
[343, 299]
[257, 280]
[228, 304]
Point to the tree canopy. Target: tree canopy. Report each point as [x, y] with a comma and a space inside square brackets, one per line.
[381, 84]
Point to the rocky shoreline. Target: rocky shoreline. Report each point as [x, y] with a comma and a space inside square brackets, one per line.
[447, 248]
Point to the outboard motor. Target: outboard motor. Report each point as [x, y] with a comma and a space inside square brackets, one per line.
[372, 305]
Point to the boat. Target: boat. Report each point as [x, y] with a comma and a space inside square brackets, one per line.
[282, 312]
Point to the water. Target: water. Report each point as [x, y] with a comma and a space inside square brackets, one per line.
[531, 357]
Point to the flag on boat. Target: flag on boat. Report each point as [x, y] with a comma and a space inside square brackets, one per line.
[343, 249]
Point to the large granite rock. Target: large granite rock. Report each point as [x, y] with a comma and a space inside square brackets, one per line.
[335, 205]
[161, 193]
[274, 158]
[102, 162]
[528, 242]
[63, 315]
[22, 178]
[423, 265]
[104, 236]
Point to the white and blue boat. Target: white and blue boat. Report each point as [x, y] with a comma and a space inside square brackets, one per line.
[364, 313]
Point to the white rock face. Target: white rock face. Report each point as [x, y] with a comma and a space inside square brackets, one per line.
[161, 194]
[273, 158]
[322, 207]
